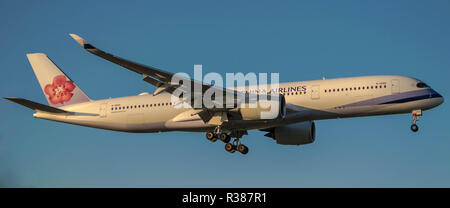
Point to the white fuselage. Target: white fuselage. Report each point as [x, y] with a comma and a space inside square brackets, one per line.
[308, 100]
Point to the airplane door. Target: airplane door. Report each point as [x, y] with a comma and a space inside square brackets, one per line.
[315, 89]
[395, 86]
[103, 110]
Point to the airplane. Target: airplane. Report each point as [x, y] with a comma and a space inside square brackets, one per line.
[299, 104]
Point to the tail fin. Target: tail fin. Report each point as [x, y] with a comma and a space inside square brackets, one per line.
[57, 86]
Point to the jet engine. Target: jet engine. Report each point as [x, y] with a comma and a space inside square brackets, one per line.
[294, 134]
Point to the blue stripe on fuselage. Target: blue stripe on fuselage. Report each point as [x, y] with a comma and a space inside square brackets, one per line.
[398, 98]
[405, 100]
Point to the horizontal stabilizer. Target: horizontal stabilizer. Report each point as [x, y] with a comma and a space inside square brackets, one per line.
[36, 106]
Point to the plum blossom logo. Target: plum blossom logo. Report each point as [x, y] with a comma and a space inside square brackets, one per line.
[60, 91]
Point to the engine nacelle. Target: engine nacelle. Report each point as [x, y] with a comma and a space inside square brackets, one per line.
[294, 134]
[264, 109]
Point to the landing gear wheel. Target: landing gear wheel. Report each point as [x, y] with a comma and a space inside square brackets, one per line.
[224, 137]
[230, 148]
[242, 149]
[414, 128]
[211, 136]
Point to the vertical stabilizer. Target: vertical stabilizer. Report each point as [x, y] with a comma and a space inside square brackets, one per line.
[57, 86]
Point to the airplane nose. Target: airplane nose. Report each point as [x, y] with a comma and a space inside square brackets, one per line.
[436, 99]
[440, 99]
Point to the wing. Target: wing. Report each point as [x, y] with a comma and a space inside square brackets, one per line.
[164, 81]
[157, 77]
[136, 67]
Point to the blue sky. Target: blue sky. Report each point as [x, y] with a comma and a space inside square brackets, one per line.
[302, 40]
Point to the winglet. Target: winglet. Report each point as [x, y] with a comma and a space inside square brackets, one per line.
[82, 42]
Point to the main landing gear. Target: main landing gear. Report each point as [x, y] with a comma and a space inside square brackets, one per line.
[236, 145]
[416, 114]
[226, 138]
[211, 136]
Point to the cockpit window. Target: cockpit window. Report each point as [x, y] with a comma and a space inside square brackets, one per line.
[421, 85]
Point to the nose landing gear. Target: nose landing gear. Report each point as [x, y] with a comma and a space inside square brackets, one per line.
[414, 128]
[416, 114]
